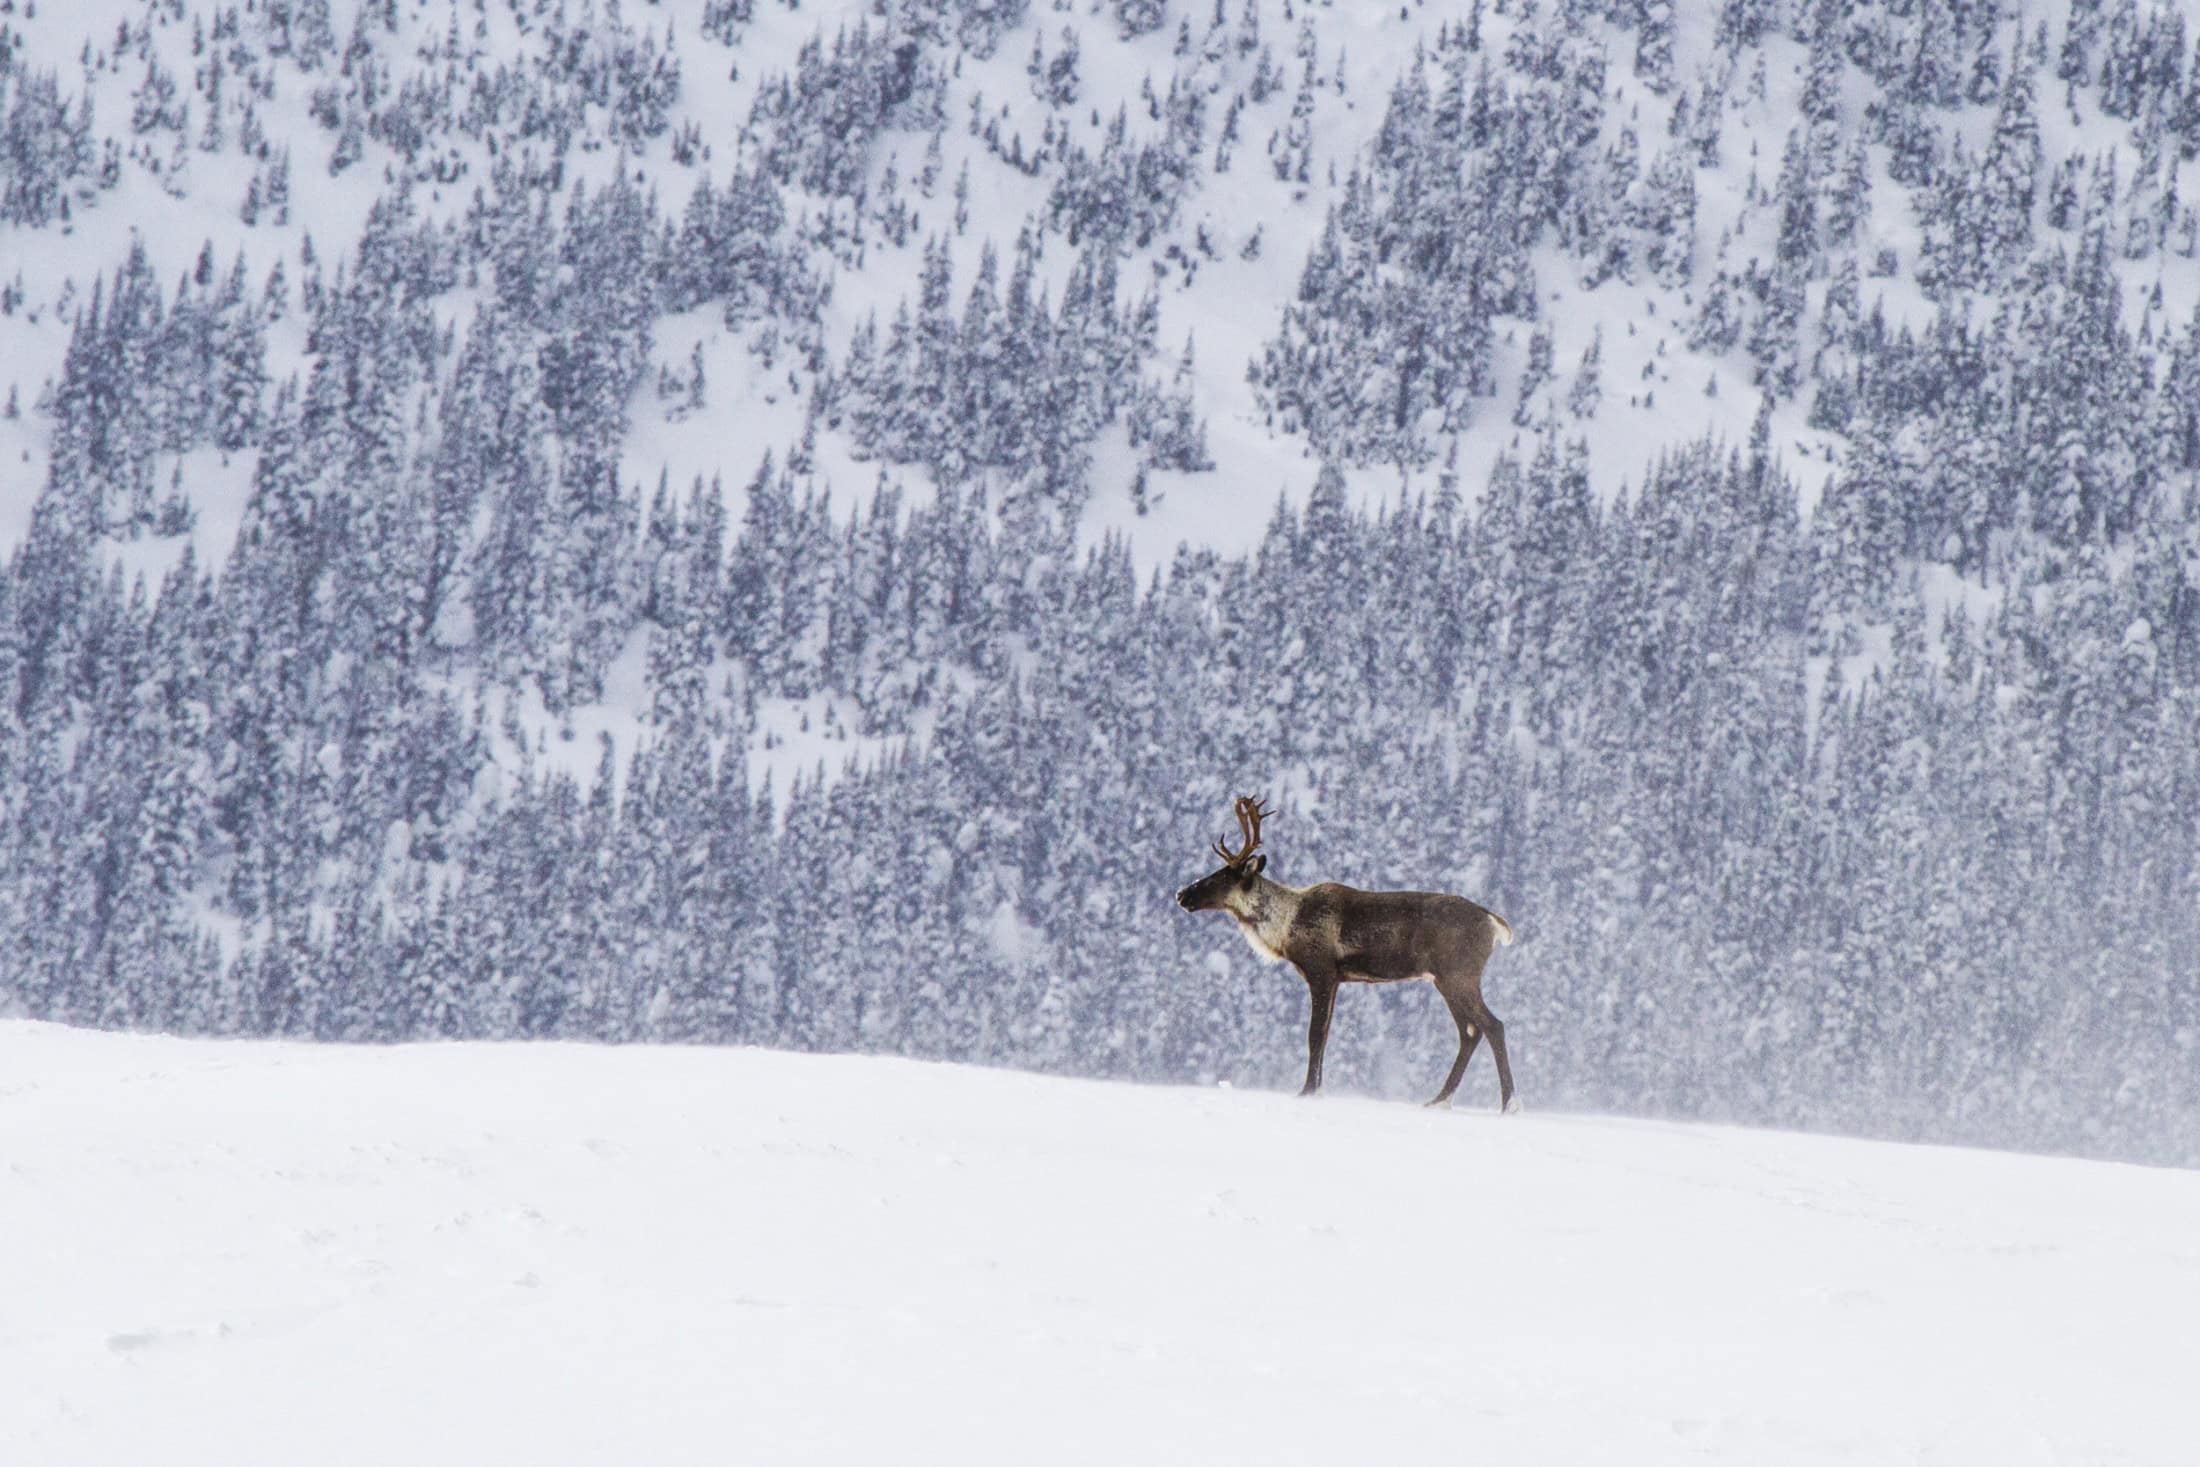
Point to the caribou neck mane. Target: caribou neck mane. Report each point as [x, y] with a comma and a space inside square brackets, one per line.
[1264, 912]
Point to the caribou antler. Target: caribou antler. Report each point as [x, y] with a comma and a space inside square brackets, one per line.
[1250, 813]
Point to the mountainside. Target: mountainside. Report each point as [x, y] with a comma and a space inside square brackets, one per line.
[735, 521]
[266, 1253]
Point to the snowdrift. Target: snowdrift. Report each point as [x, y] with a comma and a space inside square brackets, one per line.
[267, 1253]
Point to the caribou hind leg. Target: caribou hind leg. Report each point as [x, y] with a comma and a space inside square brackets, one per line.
[1505, 1101]
[1464, 1014]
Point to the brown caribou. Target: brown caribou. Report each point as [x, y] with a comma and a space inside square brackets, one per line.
[1338, 934]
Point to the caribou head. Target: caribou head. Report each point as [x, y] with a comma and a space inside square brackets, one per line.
[1240, 869]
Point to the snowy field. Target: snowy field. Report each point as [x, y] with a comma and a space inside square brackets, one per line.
[260, 1253]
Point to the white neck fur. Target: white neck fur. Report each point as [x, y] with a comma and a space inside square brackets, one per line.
[1264, 913]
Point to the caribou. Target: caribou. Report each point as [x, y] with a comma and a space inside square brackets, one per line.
[1339, 934]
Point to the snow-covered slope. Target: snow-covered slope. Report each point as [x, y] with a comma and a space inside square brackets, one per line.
[1738, 517]
[268, 1253]
[1224, 266]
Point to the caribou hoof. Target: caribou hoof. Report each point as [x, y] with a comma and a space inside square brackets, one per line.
[1441, 1102]
[1510, 1107]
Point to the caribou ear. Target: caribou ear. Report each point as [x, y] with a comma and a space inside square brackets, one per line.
[1257, 865]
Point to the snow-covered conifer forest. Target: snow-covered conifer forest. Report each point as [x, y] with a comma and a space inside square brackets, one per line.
[787, 521]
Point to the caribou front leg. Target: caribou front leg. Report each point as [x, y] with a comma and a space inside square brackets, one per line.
[1322, 989]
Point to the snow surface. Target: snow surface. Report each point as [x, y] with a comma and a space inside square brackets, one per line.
[269, 1253]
